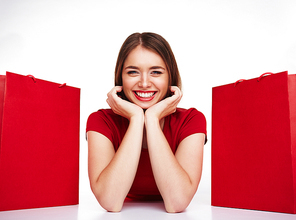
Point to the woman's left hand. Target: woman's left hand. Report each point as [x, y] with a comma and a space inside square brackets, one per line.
[166, 106]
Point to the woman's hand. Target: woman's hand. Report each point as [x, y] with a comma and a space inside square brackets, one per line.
[122, 107]
[166, 106]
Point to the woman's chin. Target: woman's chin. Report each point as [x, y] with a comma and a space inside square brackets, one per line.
[145, 107]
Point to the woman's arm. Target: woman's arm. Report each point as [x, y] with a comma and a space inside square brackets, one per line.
[112, 173]
[177, 176]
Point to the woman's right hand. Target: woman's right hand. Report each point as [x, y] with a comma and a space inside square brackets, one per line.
[122, 107]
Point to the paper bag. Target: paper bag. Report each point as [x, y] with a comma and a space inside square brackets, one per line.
[254, 144]
[39, 152]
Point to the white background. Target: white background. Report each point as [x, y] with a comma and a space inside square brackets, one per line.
[215, 42]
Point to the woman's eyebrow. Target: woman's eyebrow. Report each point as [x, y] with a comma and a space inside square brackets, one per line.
[131, 67]
[137, 68]
[157, 67]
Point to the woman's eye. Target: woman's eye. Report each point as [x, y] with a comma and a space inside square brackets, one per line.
[132, 72]
[156, 72]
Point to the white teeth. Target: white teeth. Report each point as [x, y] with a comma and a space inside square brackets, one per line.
[145, 94]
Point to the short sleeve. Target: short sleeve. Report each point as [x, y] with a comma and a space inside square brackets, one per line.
[195, 122]
[98, 122]
[109, 124]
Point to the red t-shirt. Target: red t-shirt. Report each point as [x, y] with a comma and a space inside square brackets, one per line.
[177, 126]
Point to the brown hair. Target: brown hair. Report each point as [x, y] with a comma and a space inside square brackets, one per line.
[153, 42]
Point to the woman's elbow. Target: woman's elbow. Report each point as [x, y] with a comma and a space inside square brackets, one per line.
[177, 205]
[175, 208]
[111, 207]
[180, 201]
[107, 202]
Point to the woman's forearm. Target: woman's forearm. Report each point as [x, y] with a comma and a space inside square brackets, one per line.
[114, 182]
[172, 180]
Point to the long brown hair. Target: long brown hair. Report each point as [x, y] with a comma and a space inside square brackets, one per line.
[153, 42]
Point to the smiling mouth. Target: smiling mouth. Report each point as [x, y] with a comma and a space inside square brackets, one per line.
[144, 96]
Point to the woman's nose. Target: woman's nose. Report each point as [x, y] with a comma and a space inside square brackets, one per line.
[145, 81]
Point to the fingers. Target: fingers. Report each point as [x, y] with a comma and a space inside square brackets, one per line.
[118, 88]
[120, 106]
[167, 106]
[176, 91]
[112, 97]
[114, 91]
[176, 97]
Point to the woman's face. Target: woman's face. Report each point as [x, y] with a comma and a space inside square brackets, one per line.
[144, 77]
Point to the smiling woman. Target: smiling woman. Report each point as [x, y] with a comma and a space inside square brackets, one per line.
[144, 77]
[144, 147]
[156, 44]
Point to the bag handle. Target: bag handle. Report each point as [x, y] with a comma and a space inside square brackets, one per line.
[238, 81]
[62, 85]
[31, 76]
[263, 75]
[258, 80]
[34, 79]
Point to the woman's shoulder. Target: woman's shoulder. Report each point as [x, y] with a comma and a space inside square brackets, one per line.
[103, 113]
[182, 112]
[186, 122]
[188, 116]
[105, 120]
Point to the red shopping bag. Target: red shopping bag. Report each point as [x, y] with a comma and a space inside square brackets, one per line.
[39, 152]
[254, 144]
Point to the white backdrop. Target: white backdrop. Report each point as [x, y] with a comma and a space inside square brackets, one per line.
[215, 42]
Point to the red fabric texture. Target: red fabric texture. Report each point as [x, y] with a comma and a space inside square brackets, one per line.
[39, 152]
[177, 126]
[253, 144]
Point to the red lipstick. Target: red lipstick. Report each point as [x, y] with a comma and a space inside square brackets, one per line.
[144, 96]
